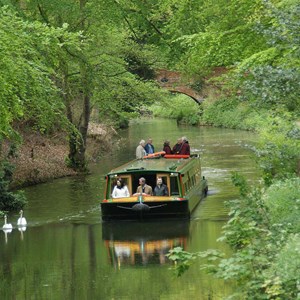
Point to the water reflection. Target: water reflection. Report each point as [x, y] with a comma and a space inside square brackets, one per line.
[135, 243]
[6, 231]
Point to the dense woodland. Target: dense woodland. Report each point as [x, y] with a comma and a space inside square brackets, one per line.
[65, 63]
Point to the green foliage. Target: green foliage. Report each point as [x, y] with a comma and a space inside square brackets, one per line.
[182, 259]
[283, 202]
[224, 113]
[267, 86]
[9, 201]
[240, 182]
[283, 276]
[206, 35]
[232, 113]
[178, 107]
[279, 147]
[122, 98]
[95, 75]
[65, 58]
[265, 261]
[280, 25]
[269, 78]
[27, 89]
[262, 58]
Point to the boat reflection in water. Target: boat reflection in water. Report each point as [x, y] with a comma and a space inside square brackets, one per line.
[143, 243]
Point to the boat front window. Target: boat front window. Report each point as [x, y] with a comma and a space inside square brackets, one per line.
[174, 185]
[125, 179]
[149, 177]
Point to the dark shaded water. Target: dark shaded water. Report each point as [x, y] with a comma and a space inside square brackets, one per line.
[66, 252]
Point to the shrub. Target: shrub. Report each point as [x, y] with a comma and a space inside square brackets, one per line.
[9, 201]
[282, 279]
[283, 202]
[279, 146]
[179, 107]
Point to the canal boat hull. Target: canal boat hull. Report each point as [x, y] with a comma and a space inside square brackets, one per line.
[145, 209]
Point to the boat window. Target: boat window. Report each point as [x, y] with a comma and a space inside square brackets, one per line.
[113, 182]
[174, 185]
[193, 180]
[165, 178]
[126, 179]
[150, 180]
[186, 187]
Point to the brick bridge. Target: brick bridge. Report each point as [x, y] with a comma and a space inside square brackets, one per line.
[172, 81]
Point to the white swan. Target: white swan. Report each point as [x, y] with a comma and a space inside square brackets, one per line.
[22, 221]
[6, 226]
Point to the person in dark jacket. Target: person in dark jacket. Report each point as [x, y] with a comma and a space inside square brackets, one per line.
[167, 147]
[149, 148]
[161, 189]
[185, 147]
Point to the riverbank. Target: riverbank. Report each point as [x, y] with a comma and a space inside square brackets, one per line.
[42, 158]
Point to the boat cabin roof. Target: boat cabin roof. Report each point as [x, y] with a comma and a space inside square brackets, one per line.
[160, 164]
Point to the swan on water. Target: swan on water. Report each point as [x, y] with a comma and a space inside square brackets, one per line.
[6, 225]
[22, 221]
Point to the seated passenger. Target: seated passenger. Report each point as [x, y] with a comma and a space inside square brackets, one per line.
[161, 189]
[167, 147]
[120, 190]
[143, 188]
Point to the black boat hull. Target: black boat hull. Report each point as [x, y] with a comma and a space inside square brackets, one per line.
[145, 210]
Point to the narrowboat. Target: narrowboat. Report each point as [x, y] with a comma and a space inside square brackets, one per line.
[181, 175]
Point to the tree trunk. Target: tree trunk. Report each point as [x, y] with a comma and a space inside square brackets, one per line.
[77, 141]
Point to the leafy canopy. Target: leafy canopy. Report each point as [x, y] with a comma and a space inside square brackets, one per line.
[27, 89]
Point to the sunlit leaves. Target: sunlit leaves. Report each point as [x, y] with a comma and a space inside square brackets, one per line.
[283, 202]
[222, 32]
[27, 89]
[278, 148]
[271, 77]
[182, 259]
[283, 276]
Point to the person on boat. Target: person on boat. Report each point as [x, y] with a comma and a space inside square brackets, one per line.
[144, 188]
[185, 147]
[140, 150]
[120, 190]
[177, 146]
[167, 147]
[149, 148]
[161, 189]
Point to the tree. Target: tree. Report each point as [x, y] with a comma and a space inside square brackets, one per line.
[28, 92]
[91, 76]
[273, 74]
[27, 89]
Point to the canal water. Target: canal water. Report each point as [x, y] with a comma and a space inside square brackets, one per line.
[67, 252]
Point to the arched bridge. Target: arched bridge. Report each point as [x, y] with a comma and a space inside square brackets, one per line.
[172, 81]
